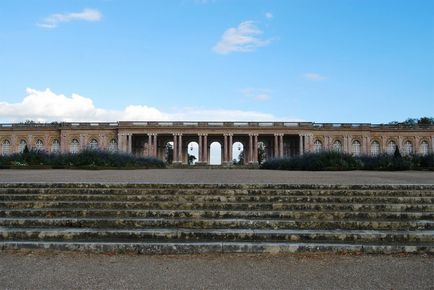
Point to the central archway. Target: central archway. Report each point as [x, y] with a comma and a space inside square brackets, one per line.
[192, 153]
[215, 156]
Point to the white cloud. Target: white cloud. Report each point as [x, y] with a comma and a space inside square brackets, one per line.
[86, 15]
[314, 76]
[46, 106]
[244, 38]
[269, 15]
[257, 94]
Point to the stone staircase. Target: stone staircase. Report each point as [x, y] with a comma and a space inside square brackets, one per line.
[201, 218]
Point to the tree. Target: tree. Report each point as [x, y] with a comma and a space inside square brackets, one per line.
[262, 155]
[426, 121]
[397, 154]
[191, 159]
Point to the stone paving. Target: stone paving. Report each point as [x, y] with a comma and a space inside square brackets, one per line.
[33, 270]
[218, 176]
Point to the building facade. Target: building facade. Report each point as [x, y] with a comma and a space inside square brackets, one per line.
[279, 139]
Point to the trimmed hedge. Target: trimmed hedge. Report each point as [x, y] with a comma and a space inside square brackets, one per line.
[342, 161]
[89, 159]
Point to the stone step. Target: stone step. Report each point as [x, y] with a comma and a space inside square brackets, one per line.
[178, 213]
[169, 234]
[216, 198]
[216, 247]
[194, 223]
[220, 191]
[221, 205]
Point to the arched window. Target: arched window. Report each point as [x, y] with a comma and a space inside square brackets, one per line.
[337, 146]
[22, 145]
[6, 147]
[408, 148]
[39, 145]
[317, 146]
[355, 148]
[74, 147]
[424, 148]
[93, 144]
[375, 148]
[113, 145]
[391, 147]
[55, 146]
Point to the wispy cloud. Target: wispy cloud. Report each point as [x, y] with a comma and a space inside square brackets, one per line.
[244, 38]
[269, 15]
[53, 20]
[45, 105]
[260, 95]
[314, 76]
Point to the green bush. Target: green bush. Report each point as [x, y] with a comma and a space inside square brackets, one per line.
[84, 159]
[330, 160]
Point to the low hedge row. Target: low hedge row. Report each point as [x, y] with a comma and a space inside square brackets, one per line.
[90, 159]
[342, 161]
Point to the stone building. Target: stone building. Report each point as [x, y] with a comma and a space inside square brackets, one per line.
[279, 139]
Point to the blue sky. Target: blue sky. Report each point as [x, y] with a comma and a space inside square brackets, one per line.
[321, 61]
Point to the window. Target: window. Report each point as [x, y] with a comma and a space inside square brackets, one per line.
[337, 146]
[408, 148]
[424, 148]
[391, 147]
[93, 144]
[74, 147]
[375, 148]
[355, 148]
[39, 145]
[317, 146]
[22, 145]
[6, 147]
[113, 145]
[55, 146]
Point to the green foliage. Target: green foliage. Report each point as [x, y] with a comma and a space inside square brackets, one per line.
[424, 121]
[340, 161]
[84, 159]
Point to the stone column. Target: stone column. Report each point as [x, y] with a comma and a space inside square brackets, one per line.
[276, 148]
[250, 148]
[130, 143]
[432, 144]
[300, 145]
[180, 151]
[225, 149]
[281, 145]
[63, 143]
[205, 151]
[155, 146]
[255, 148]
[175, 148]
[200, 149]
[230, 149]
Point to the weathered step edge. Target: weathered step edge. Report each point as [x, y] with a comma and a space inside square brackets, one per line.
[212, 185]
[214, 247]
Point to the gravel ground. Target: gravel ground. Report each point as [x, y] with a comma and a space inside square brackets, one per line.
[218, 176]
[303, 271]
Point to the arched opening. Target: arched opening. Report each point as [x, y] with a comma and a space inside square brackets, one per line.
[93, 144]
[355, 148]
[113, 145]
[22, 145]
[408, 147]
[317, 146]
[192, 153]
[424, 148]
[375, 148]
[6, 147]
[74, 147]
[215, 156]
[391, 147]
[238, 153]
[337, 146]
[39, 145]
[55, 146]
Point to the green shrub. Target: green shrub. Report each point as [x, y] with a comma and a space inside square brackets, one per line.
[330, 160]
[83, 159]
